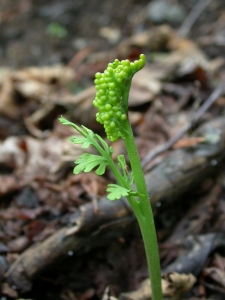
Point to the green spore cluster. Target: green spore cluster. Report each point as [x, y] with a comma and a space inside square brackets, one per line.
[112, 95]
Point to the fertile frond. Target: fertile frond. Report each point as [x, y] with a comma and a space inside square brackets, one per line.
[112, 95]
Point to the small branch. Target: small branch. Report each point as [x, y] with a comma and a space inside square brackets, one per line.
[203, 108]
[195, 12]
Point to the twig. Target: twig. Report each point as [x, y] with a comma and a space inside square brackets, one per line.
[203, 108]
[195, 12]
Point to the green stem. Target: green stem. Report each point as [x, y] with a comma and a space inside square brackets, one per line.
[144, 215]
[133, 202]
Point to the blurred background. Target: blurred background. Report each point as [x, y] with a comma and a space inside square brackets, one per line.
[49, 32]
[49, 54]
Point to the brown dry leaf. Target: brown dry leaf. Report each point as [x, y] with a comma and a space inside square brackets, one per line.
[47, 157]
[157, 38]
[79, 107]
[219, 261]
[39, 115]
[8, 291]
[7, 103]
[192, 54]
[154, 128]
[178, 284]
[183, 59]
[93, 184]
[38, 82]
[8, 184]
[186, 58]
[174, 285]
[32, 83]
[71, 99]
[35, 157]
[46, 75]
[111, 34]
[19, 244]
[12, 154]
[108, 294]
[83, 111]
[30, 88]
[189, 142]
[145, 86]
[217, 272]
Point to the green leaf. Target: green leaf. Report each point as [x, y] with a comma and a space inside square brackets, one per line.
[64, 121]
[105, 146]
[68, 123]
[88, 132]
[122, 164]
[116, 191]
[131, 179]
[87, 162]
[57, 30]
[121, 161]
[101, 169]
[135, 193]
[80, 140]
[90, 138]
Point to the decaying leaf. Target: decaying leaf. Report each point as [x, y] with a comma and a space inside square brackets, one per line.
[217, 271]
[12, 153]
[8, 291]
[174, 285]
[30, 83]
[46, 75]
[107, 294]
[28, 155]
[8, 106]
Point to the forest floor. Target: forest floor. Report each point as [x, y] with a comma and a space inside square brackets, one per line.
[60, 238]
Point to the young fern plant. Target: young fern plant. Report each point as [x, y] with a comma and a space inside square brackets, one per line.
[113, 86]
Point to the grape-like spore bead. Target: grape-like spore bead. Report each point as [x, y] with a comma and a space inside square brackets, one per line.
[111, 85]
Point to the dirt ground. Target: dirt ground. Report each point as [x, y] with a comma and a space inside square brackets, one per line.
[60, 238]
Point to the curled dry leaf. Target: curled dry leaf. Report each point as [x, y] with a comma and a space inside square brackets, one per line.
[216, 271]
[47, 75]
[49, 156]
[216, 274]
[184, 56]
[32, 83]
[8, 291]
[8, 184]
[145, 86]
[38, 82]
[178, 284]
[35, 157]
[31, 89]
[93, 184]
[107, 294]
[174, 285]
[19, 244]
[7, 104]
[12, 154]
